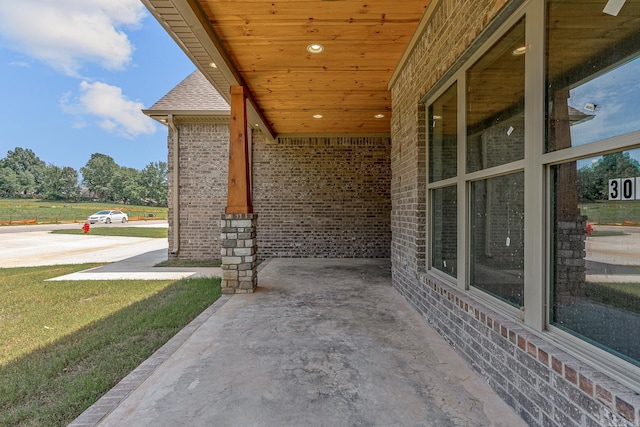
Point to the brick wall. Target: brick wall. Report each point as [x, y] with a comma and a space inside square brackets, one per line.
[203, 155]
[322, 197]
[316, 197]
[545, 385]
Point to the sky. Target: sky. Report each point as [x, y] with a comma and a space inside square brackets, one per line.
[614, 100]
[74, 75]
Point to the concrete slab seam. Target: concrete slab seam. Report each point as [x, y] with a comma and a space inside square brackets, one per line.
[111, 399]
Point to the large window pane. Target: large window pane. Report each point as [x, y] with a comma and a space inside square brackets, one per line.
[495, 103]
[443, 136]
[592, 72]
[497, 237]
[444, 230]
[596, 251]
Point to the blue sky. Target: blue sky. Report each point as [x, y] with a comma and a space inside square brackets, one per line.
[74, 75]
[615, 96]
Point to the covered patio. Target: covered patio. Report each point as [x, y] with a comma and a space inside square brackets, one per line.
[320, 343]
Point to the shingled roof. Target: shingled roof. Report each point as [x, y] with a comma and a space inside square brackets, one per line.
[194, 93]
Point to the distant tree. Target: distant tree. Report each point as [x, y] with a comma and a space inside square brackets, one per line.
[98, 174]
[127, 186]
[28, 167]
[9, 186]
[593, 180]
[60, 183]
[154, 178]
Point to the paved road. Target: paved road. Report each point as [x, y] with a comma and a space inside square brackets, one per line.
[34, 245]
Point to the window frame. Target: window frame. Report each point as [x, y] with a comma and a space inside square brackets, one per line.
[537, 165]
[463, 179]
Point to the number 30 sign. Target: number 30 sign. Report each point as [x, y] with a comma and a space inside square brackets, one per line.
[624, 189]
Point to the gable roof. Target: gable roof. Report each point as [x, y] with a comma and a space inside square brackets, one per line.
[194, 93]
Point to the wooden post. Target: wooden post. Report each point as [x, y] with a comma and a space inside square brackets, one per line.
[239, 188]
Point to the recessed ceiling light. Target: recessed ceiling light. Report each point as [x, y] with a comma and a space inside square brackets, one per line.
[213, 65]
[315, 48]
[519, 51]
[379, 116]
[317, 116]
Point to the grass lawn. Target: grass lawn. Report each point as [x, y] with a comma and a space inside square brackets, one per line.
[598, 233]
[189, 263]
[612, 212]
[46, 212]
[157, 232]
[64, 344]
[622, 295]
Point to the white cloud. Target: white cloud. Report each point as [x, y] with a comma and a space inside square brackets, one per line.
[69, 33]
[114, 111]
[20, 64]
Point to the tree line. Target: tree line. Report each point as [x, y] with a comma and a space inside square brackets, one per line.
[23, 174]
[593, 179]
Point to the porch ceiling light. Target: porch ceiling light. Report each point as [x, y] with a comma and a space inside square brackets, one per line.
[315, 48]
[379, 116]
[213, 65]
[317, 116]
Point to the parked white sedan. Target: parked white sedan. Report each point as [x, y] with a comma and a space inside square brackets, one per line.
[108, 217]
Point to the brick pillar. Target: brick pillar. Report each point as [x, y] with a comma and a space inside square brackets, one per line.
[239, 253]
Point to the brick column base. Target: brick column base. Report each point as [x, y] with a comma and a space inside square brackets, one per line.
[238, 250]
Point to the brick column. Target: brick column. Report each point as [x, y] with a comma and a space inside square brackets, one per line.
[239, 253]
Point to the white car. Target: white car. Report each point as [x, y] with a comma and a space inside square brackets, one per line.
[108, 217]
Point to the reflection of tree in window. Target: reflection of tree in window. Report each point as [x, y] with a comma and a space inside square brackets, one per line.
[591, 81]
[593, 178]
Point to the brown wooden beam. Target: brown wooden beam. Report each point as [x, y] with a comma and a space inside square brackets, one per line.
[239, 188]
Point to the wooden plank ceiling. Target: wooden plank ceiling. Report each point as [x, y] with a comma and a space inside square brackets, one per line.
[363, 40]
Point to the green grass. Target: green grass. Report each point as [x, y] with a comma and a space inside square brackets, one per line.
[64, 344]
[622, 295]
[600, 233]
[155, 232]
[612, 212]
[189, 263]
[19, 210]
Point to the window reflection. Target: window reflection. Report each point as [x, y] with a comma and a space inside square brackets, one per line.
[592, 72]
[497, 237]
[443, 136]
[596, 244]
[495, 103]
[444, 230]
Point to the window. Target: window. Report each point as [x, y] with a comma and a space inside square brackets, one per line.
[534, 148]
[443, 136]
[444, 235]
[592, 73]
[596, 247]
[593, 101]
[443, 158]
[497, 237]
[495, 103]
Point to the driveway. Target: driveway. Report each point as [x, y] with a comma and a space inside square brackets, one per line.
[34, 245]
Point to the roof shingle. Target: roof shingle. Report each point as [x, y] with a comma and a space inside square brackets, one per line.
[194, 93]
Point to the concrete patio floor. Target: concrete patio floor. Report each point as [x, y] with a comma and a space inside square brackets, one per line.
[323, 342]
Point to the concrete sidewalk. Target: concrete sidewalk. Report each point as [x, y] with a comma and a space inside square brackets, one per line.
[321, 343]
[141, 267]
